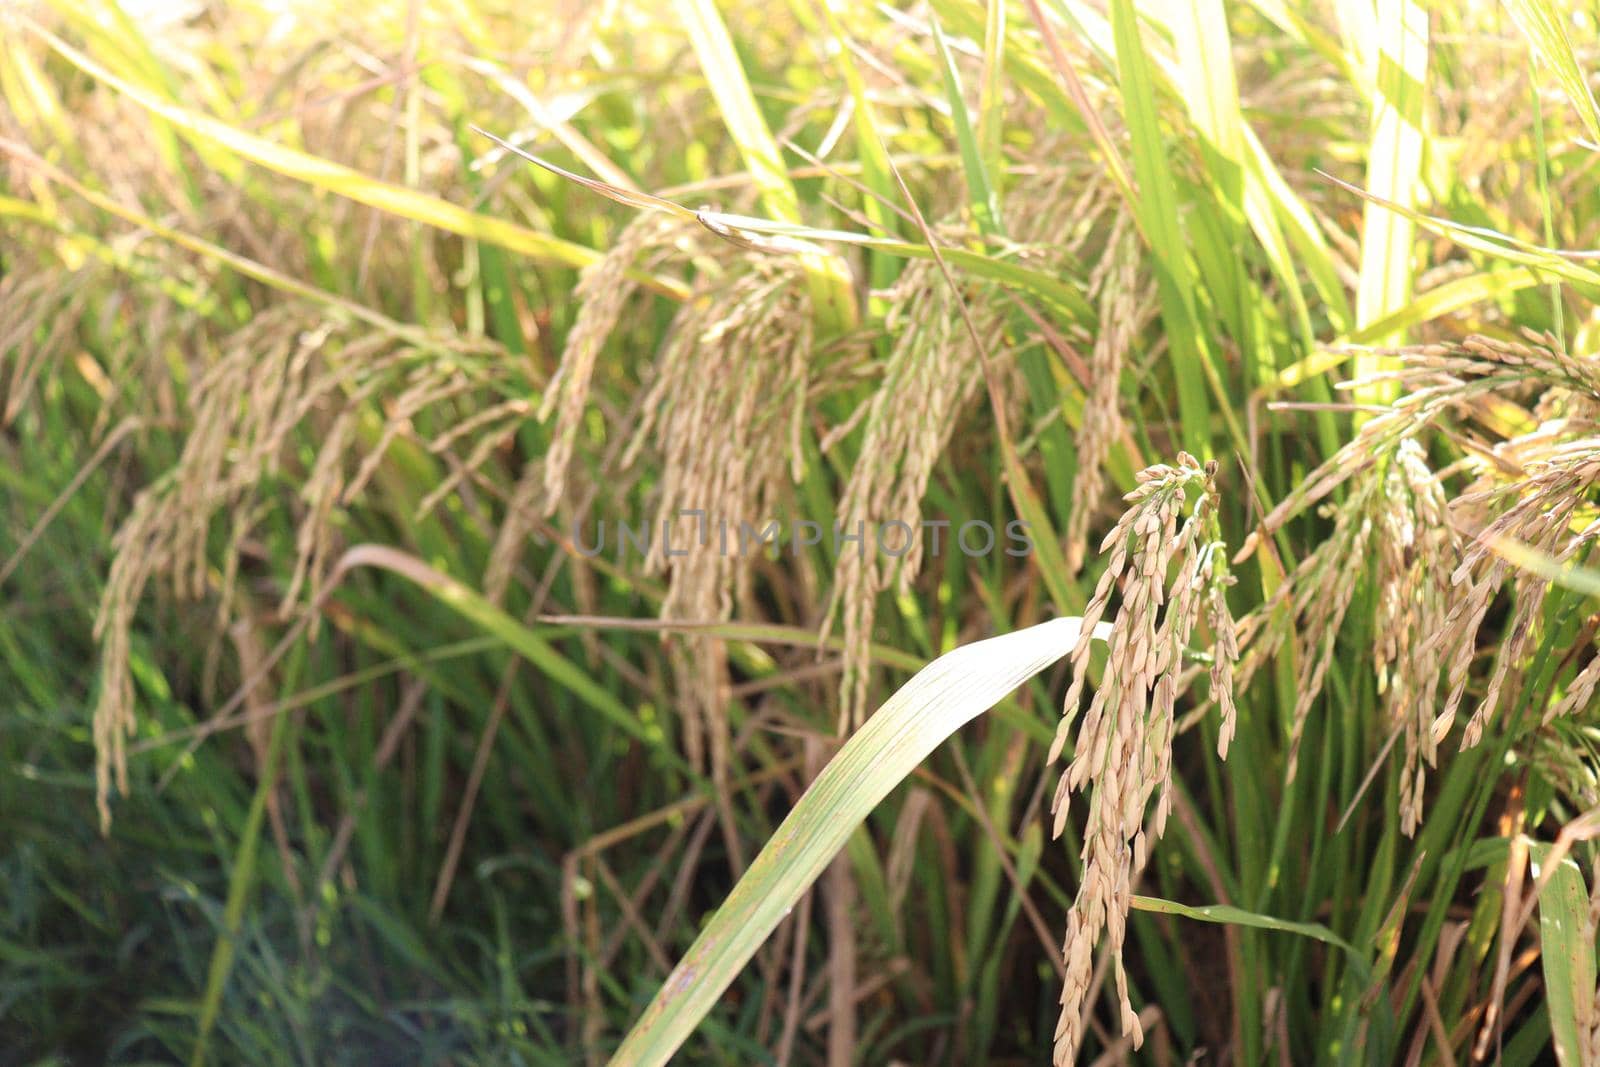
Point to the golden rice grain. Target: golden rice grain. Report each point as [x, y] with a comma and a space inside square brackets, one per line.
[1122, 756]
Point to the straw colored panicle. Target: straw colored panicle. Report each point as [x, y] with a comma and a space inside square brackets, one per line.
[931, 373]
[602, 295]
[1532, 498]
[283, 373]
[1581, 693]
[1415, 545]
[1394, 514]
[1124, 307]
[41, 307]
[1441, 562]
[724, 417]
[648, 244]
[1166, 575]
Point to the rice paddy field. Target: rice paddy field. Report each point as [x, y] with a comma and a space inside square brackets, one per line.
[799, 532]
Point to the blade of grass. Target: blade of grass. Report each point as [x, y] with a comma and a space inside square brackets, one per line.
[1482, 239]
[937, 701]
[980, 186]
[1441, 300]
[1543, 23]
[1394, 169]
[1157, 206]
[240, 882]
[1568, 575]
[991, 93]
[33, 100]
[335, 177]
[1205, 83]
[828, 276]
[1227, 914]
[1567, 957]
[1542, 155]
[1266, 185]
[478, 610]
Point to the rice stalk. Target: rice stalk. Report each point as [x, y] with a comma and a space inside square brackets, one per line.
[930, 374]
[1123, 310]
[1122, 753]
[281, 375]
[602, 293]
[1436, 574]
[723, 417]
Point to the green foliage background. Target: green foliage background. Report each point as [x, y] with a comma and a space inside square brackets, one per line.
[441, 826]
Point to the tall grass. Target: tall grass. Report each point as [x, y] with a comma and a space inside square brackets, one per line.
[334, 736]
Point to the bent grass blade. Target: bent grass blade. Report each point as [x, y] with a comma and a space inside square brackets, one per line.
[946, 694]
[785, 238]
[325, 174]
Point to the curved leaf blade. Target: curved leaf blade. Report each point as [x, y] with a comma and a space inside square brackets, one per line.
[336, 177]
[942, 697]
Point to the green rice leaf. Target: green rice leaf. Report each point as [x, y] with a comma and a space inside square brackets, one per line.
[1451, 296]
[1567, 957]
[828, 276]
[1494, 243]
[335, 177]
[1394, 169]
[539, 652]
[1157, 208]
[942, 697]
[1229, 915]
[991, 93]
[1543, 23]
[1568, 575]
[980, 188]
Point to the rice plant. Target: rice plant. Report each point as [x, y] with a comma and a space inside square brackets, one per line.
[954, 531]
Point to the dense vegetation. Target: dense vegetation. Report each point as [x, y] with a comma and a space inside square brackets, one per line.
[343, 723]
